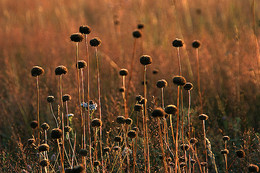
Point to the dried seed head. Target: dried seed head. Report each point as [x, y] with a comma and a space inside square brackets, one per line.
[118, 139]
[95, 42]
[158, 112]
[188, 86]
[185, 147]
[226, 138]
[45, 126]
[78, 169]
[203, 117]
[171, 109]
[196, 44]
[83, 152]
[240, 153]
[145, 60]
[50, 99]
[56, 133]
[138, 98]
[61, 70]
[140, 26]
[142, 101]
[84, 29]
[44, 163]
[106, 149]
[193, 140]
[177, 43]
[172, 164]
[128, 121]
[43, 147]
[122, 89]
[179, 80]
[203, 164]
[155, 71]
[76, 37]
[137, 34]
[169, 159]
[31, 141]
[161, 83]
[253, 168]
[225, 151]
[67, 129]
[131, 134]
[120, 120]
[96, 122]
[193, 161]
[34, 124]
[138, 107]
[182, 159]
[37, 71]
[116, 148]
[66, 97]
[81, 64]
[96, 163]
[123, 72]
[135, 129]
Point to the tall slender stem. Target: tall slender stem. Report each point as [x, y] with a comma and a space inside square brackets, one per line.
[177, 131]
[62, 120]
[38, 107]
[161, 145]
[179, 60]
[198, 78]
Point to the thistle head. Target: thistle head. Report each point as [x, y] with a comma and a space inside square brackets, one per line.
[61, 70]
[50, 99]
[171, 109]
[45, 126]
[177, 43]
[81, 64]
[137, 34]
[158, 112]
[161, 83]
[56, 133]
[76, 37]
[66, 97]
[37, 71]
[179, 80]
[123, 72]
[95, 42]
[84, 29]
[96, 122]
[34, 124]
[145, 60]
[188, 86]
[196, 44]
[131, 134]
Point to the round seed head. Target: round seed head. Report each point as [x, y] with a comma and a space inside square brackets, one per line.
[171, 109]
[203, 164]
[226, 138]
[240, 153]
[169, 159]
[161, 83]
[177, 43]
[155, 71]
[131, 134]
[185, 147]
[83, 152]
[116, 148]
[196, 44]
[118, 139]
[96, 163]
[76, 37]
[95, 42]
[158, 112]
[120, 120]
[188, 86]
[138, 107]
[66, 97]
[81, 64]
[50, 99]
[225, 151]
[84, 29]
[142, 101]
[37, 71]
[128, 121]
[193, 140]
[123, 72]
[203, 117]
[183, 165]
[138, 98]
[56, 133]
[61, 70]
[193, 161]
[96, 122]
[145, 60]
[34, 124]
[122, 89]
[44, 163]
[106, 149]
[67, 129]
[172, 164]
[179, 80]
[140, 26]
[253, 168]
[31, 141]
[78, 169]
[45, 126]
[43, 147]
[137, 34]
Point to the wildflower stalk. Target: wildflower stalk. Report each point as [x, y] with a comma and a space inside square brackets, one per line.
[161, 145]
[177, 131]
[198, 78]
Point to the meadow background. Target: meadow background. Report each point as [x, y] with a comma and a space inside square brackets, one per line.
[38, 33]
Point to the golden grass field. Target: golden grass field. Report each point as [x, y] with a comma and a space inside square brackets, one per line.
[38, 33]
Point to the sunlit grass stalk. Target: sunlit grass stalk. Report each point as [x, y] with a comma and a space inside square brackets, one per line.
[179, 60]
[38, 107]
[205, 142]
[177, 130]
[182, 115]
[52, 112]
[198, 80]
[162, 146]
